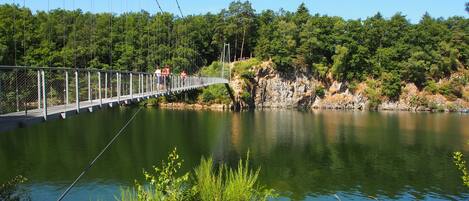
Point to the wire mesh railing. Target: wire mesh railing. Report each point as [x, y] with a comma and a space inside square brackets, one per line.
[33, 91]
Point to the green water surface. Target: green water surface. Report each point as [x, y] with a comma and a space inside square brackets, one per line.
[303, 155]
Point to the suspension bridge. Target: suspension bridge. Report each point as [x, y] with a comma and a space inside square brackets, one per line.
[30, 95]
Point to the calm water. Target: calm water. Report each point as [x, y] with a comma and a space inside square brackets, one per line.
[303, 155]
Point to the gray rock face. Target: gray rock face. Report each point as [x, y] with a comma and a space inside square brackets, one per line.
[274, 91]
[269, 89]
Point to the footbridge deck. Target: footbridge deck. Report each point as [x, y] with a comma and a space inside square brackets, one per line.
[30, 95]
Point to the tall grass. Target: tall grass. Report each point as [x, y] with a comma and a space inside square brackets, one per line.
[208, 183]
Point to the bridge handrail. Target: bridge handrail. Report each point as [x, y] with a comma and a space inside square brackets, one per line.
[69, 69]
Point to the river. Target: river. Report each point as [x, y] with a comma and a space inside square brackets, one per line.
[303, 155]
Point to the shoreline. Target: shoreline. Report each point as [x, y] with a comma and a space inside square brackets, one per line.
[228, 107]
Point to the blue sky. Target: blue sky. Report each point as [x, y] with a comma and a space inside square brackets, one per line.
[348, 9]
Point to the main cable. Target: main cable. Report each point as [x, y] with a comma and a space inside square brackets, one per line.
[159, 6]
[179, 7]
[98, 156]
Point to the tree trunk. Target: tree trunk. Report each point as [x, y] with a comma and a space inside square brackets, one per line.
[242, 44]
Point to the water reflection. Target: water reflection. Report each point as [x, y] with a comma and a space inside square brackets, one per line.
[385, 155]
[304, 155]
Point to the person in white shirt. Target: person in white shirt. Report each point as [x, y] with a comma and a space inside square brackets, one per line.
[158, 75]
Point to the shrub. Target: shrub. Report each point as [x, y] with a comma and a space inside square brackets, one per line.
[213, 69]
[461, 165]
[246, 96]
[10, 190]
[229, 184]
[431, 87]
[162, 184]
[320, 90]
[452, 89]
[243, 67]
[417, 101]
[353, 86]
[391, 85]
[214, 94]
[373, 94]
[209, 184]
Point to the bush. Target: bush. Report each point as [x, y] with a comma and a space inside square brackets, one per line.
[353, 86]
[243, 67]
[461, 165]
[320, 90]
[162, 184]
[229, 184]
[417, 101]
[451, 90]
[214, 94]
[246, 96]
[431, 87]
[373, 94]
[213, 69]
[10, 190]
[209, 183]
[391, 85]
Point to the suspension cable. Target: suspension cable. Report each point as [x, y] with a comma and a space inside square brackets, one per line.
[24, 33]
[14, 49]
[49, 29]
[159, 6]
[64, 56]
[74, 36]
[92, 34]
[90, 165]
[179, 7]
[167, 54]
[14, 31]
[110, 34]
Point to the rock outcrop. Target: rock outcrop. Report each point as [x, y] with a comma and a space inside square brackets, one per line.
[271, 89]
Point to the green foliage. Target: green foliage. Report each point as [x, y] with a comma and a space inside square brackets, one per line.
[229, 184]
[215, 94]
[418, 100]
[452, 89]
[162, 184]
[213, 69]
[431, 87]
[461, 165]
[246, 96]
[372, 92]
[209, 184]
[351, 50]
[243, 68]
[339, 67]
[391, 85]
[10, 191]
[320, 90]
[352, 86]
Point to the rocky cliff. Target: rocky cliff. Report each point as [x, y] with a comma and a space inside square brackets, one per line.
[268, 88]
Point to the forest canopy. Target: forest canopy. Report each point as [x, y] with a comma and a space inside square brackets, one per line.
[390, 48]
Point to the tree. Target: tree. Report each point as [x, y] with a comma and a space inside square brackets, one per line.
[283, 45]
[241, 14]
[339, 67]
[391, 86]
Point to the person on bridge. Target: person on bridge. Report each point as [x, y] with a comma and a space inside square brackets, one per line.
[158, 75]
[183, 76]
[166, 73]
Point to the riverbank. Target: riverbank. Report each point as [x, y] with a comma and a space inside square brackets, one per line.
[195, 106]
